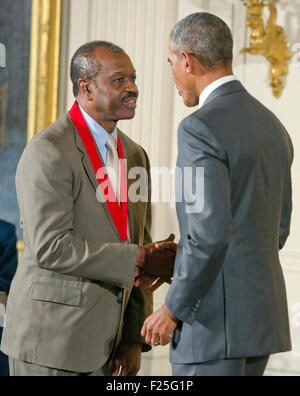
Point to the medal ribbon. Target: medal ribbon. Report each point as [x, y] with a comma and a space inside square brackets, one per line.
[118, 212]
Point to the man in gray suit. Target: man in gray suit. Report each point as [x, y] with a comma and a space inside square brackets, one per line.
[72, 309]
[227, 306]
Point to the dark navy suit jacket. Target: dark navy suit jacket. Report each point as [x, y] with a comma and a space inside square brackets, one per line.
[8, 265]
[8, 255]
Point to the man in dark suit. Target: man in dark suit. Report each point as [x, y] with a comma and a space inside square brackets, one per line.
[227, 306]
[8, 266]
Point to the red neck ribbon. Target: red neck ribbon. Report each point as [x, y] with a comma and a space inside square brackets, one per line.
[118, 212]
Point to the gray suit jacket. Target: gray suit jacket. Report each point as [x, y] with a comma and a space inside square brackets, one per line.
[228, 288]
[67, 303]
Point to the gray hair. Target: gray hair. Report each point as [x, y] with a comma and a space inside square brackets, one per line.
[206, 36]
[84, 63]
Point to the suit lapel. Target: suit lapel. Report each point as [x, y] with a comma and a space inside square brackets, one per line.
[85, 159]
[128, 154]
[88, 167]
[90, 172]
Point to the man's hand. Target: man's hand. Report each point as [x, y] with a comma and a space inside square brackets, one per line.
[157, 253]
[158, 327]
[157, 259]
[128, 360]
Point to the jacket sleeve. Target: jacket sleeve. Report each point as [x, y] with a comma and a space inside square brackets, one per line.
[8, 255]
[206, 227]
[140, 304]
[45, 193]
[287, 206]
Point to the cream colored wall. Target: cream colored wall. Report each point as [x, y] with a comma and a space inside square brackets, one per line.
[142, 27]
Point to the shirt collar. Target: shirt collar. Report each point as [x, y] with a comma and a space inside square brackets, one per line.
[213, 86]
[99, 133]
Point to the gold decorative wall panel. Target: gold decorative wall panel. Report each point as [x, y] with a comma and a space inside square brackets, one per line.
[44, 68]
[44, 64]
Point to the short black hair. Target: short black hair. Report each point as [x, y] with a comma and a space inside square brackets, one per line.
[206, 36]
[84, 63]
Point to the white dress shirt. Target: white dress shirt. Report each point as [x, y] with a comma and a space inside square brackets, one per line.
[213, 86]
[100, 135]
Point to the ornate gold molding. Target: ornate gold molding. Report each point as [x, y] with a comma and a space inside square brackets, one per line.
[44, 64]
[44, 68]
[270, 42]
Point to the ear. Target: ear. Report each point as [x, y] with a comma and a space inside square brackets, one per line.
[189, 62]
[84, 88]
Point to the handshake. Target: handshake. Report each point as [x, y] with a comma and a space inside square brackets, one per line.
[155, 264]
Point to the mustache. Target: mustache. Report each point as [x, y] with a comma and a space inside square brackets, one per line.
[129, 96]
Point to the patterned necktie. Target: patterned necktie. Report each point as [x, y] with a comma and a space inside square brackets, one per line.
[113, 170]
[113, 165]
